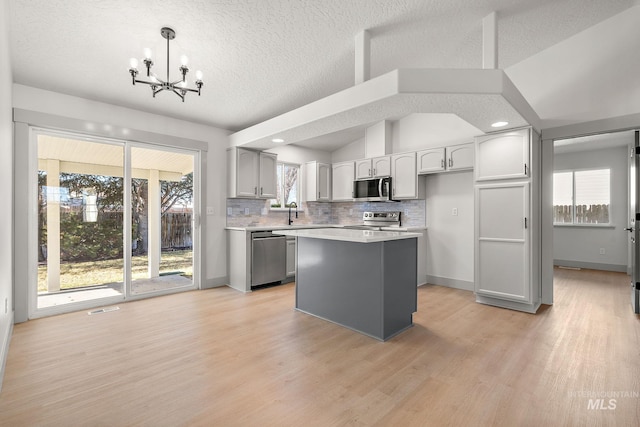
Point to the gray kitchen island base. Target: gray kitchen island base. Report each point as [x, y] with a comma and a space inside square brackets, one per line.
[367, 287]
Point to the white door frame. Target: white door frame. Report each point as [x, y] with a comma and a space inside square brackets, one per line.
[32, 243]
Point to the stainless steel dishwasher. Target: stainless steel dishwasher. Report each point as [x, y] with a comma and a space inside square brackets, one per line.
[268, 258]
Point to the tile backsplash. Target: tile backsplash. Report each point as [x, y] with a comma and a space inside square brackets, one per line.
[251, 213]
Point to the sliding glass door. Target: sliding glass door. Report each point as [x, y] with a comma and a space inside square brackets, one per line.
[162, 220]
[115, 220]
[80, 220]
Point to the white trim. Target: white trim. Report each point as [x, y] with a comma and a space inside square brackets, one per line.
[5, 339]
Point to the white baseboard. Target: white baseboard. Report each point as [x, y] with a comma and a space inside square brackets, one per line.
[216, 282]
[591, 265]
[451, 283]
[5, 337]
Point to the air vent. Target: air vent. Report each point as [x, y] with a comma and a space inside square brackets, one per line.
[104, 310]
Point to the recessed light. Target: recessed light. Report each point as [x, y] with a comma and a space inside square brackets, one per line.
[499, 124]
[277, 140]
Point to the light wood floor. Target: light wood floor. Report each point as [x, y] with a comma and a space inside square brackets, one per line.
[219, 357]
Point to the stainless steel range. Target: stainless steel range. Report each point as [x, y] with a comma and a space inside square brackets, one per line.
[378, 220]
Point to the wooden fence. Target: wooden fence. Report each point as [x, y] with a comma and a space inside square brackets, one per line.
[585, 214]
[176, 231]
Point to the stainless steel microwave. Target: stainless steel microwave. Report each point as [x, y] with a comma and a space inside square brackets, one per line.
[372, 190]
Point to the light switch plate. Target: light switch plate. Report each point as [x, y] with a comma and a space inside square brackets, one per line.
[454, 211]
[209, 210]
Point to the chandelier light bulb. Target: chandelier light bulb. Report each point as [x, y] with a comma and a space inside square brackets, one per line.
[198, 75]
[133, 62]
[147, 53]
[184, 60]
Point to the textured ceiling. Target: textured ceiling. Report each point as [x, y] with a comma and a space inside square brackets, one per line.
[262, 58]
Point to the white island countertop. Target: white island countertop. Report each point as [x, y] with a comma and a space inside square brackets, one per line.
[349, 235]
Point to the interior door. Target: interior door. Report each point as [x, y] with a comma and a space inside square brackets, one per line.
[634, 230]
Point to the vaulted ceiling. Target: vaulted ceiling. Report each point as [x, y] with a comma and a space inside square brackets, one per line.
[573, 60]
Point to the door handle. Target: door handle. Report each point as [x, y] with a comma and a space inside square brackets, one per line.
[630, 229]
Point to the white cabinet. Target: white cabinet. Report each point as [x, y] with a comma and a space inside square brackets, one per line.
[460, 157]
[432, 160]
[503, 241]
[507, 228]
[363, 169]
[503, 156]
[452, 158]
[268, 175]
[342, 181]
[291, 257]
[251, 174]
[373, 168]
[404, 177]
[381, 166]
[317, 182]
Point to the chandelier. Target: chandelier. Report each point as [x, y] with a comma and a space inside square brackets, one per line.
[179, 87]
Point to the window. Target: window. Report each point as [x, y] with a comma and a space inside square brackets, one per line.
[582, 197]
[288, 186]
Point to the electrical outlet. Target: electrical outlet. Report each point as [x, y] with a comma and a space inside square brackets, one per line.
[246, 211]
[350, 212]
[229, 211]
[602, 251]
[209, 210]
[454, 211]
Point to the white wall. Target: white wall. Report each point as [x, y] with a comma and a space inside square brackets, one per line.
[581, 246]
[352, 151]
[300, 155]
[419, 131]
[6, 191]
[450, 238]
[213, 190]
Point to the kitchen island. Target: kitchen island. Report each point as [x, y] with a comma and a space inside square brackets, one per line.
[361, 279]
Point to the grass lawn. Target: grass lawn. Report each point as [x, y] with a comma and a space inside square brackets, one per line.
[90, 273]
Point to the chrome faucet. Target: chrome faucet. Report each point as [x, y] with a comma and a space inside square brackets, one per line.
[292, 205]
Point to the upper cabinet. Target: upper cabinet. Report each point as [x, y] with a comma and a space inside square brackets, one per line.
[404, 177]
[373, 168]
[343, 175]
[252, 174]
[317, 182]
[431, 160]
[460, 157]
[452, 158]
[503, 156]
[268, 175]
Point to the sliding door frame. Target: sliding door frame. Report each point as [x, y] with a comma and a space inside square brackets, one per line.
[26, 124]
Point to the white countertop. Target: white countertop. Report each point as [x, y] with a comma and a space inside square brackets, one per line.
[280, 227]
[310, 226]
[348, 235]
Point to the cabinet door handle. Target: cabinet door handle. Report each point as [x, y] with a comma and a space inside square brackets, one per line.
[450, 162]
[525, 222]
[255, 190]
[374, 171]
[442, 163]
[525, 168]
[261, 191]
[369, 172]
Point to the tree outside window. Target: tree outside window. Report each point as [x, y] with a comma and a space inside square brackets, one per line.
[287, 186]
[582, 197]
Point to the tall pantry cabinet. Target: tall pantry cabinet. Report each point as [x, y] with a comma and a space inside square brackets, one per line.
[507, 229]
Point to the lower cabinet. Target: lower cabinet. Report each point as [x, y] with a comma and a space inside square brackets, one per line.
[291, 257]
